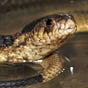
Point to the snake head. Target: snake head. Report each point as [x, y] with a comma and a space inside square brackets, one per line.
[58, 24]
[62, 24]
[55, 27]
[48, 33]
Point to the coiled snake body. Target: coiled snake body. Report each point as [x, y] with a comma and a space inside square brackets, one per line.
[37, 42]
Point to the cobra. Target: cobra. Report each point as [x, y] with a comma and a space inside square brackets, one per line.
[38, 41]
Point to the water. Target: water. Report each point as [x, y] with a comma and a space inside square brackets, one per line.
[77, 51]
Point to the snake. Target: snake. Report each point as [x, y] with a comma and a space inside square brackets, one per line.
[38, 41]
[51, 62]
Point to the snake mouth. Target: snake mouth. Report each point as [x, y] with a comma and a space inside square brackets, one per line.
[66, 25]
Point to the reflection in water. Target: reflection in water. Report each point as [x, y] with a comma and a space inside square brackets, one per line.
[71, 70]
[77, 76]
[19, 71]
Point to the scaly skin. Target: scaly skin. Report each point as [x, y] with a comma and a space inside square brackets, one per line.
[38, 43]
[44, 38]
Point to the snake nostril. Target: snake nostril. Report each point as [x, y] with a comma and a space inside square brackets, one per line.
[49, 22]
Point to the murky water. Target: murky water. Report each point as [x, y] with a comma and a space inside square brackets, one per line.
[77, 51]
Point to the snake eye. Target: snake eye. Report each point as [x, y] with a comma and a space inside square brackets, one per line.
[49, 22]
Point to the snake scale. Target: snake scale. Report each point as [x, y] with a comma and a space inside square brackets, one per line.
[41, 41]
[38, 41]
